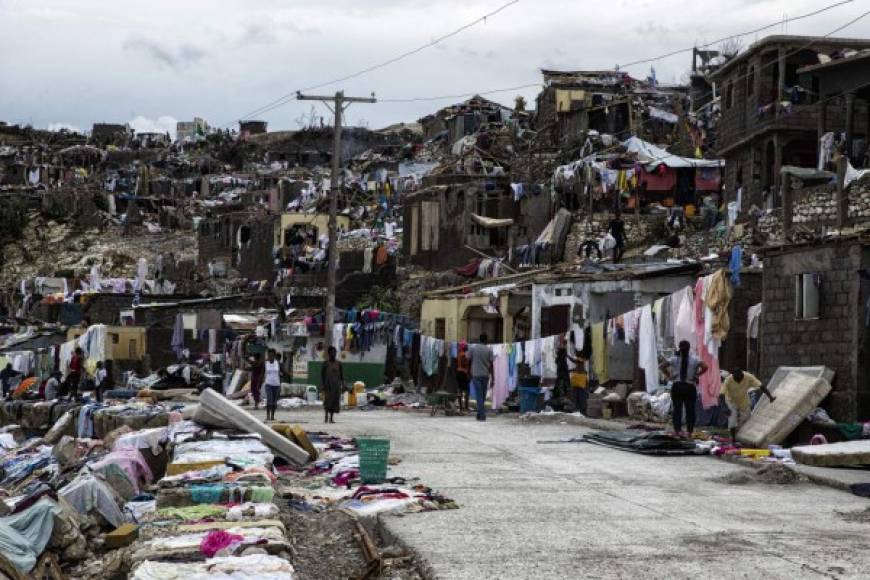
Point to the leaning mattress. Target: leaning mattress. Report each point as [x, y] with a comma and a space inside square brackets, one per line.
[834, 454]
[797, 394]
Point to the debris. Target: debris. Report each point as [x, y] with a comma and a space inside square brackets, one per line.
[770, 473]
[123, 535]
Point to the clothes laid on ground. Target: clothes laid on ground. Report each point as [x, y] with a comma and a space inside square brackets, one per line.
[87, 492]
[132, 463]
[24, 535]
[645, 442]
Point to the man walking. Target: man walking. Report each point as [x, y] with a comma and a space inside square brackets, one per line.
[6, 377]
[74, 377]
[617, 230]
[481, 371]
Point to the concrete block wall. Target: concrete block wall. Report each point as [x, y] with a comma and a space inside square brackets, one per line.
[830, 340]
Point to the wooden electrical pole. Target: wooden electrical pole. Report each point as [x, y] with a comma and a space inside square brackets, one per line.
[340, 104]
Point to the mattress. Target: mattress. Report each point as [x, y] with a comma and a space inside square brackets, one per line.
[215, 410]
[834, 454]
[797, 394]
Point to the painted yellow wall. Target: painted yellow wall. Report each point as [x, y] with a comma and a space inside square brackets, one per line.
[126, 342]
[453, 311]
[319, 221]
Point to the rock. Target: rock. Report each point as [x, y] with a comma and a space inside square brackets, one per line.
[66, 451]
[112, 436]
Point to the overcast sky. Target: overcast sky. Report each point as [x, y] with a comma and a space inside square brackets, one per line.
[155, 61]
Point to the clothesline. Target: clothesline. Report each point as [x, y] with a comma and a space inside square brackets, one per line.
[697, 314]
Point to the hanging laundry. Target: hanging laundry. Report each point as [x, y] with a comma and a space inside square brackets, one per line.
[647, 353]
[500, 387]
[599, 353]
[684, 329]
[717, 298]
[548, 357]
[177, 342]
[736, 264]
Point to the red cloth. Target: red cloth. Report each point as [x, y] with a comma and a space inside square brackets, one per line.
[470, 269]
[75, 364]
[217, 540]
[709, 383]
[659, 180]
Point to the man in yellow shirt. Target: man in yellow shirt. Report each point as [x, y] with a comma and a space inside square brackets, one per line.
[736, 390]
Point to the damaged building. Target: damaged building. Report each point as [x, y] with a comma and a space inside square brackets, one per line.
[772, 116]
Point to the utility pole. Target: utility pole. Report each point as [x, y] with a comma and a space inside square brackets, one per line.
[340, 104]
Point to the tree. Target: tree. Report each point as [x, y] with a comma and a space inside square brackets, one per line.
[730, 47]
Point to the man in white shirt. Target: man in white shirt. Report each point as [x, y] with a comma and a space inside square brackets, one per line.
[100, 380]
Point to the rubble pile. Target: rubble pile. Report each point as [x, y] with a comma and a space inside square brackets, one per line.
[134, 489]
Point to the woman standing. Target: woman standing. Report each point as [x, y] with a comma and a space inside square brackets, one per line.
[332, 379]
[272, 383]
[684, 370]
[257, 374]
[463, 377]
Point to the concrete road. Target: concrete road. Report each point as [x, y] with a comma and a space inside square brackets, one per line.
[581, 511]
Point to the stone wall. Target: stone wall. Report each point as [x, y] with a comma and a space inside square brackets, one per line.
[821, 204]
[637, 233]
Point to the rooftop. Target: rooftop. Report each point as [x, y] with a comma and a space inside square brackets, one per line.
[807, 42]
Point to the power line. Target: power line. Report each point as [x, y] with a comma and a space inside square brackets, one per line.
[292, 95]
[747, 33]
[791, 53]
[666, 55]
[459, 96]
[795, 51]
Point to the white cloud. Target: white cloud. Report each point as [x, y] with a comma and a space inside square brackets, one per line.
[68, 126]
[154, 57]
[161, 124]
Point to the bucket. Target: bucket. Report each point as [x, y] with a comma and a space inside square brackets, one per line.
[532, 381]
[374, 454]
[530, 398]
[362, 397]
